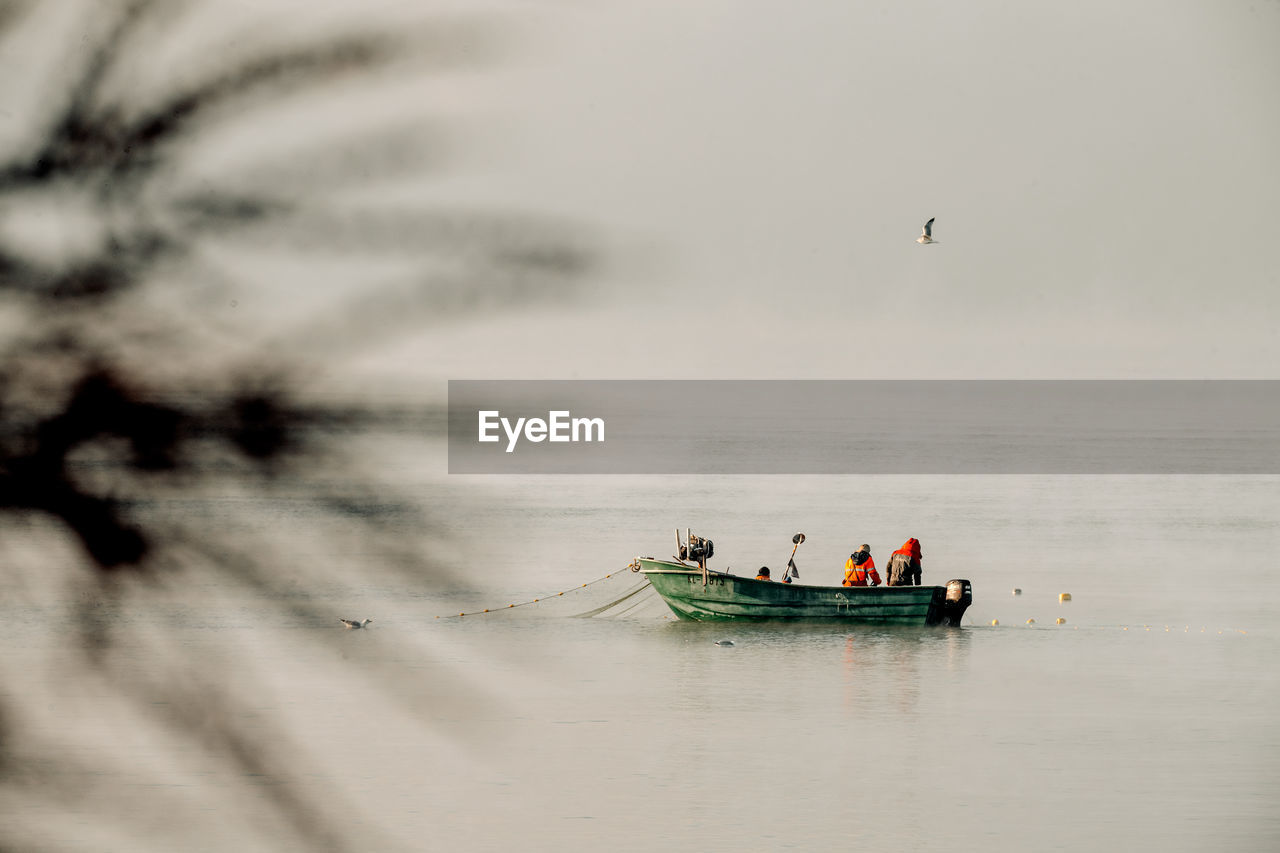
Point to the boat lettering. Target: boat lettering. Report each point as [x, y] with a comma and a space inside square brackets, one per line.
[559, 426]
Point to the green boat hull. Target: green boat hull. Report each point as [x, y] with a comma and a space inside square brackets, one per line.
[724, 596]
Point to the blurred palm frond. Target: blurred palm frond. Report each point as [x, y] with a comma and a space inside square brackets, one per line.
[128, 415]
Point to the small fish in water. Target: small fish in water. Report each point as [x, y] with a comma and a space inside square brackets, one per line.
[724, 642]
[351, 623]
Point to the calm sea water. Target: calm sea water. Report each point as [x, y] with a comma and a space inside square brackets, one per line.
[1148, 720]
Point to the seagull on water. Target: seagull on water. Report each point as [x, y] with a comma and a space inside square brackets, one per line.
[351, 623]
[926, 233]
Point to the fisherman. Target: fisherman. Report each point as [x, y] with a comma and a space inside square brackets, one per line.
[860, 568]
[764, 574]
[904, 565]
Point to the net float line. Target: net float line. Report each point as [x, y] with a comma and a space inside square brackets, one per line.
[546, 597]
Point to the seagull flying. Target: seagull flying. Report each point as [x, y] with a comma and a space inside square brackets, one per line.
[926, 233]
[351, 623]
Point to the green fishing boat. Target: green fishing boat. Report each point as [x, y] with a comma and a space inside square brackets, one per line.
[698, 593]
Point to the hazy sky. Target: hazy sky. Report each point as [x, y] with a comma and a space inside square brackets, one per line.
[754, 175]
[1101, 174]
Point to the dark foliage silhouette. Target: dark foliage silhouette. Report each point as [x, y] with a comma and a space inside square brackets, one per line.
[119, 397]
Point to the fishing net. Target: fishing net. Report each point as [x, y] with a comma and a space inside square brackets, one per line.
[620, 594]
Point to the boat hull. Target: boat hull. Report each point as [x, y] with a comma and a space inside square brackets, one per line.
[724, 596]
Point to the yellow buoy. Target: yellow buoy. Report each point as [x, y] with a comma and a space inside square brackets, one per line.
[995, 621]
[1065, 596]
[1031, 621]
[1060, 621]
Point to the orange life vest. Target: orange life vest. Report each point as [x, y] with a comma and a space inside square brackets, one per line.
[856, 574]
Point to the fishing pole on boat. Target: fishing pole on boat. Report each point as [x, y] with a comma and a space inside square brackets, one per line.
[792, 571]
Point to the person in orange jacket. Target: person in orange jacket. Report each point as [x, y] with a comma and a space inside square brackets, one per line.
[860, 569]
[764, 574]
[904, 565]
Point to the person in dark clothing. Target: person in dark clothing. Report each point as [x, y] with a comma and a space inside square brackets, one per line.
[904, 565]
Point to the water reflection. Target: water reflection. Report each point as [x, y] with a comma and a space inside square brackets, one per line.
[866, 672]
[890, 662]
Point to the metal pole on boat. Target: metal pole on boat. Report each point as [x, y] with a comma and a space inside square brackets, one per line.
[702, 561]
[797, 539]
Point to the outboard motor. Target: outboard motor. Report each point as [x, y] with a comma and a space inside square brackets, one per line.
[698, 549]
[959, 597]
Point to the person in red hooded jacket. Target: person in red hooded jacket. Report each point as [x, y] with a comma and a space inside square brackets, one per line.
[904, 565]
[860, 568]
